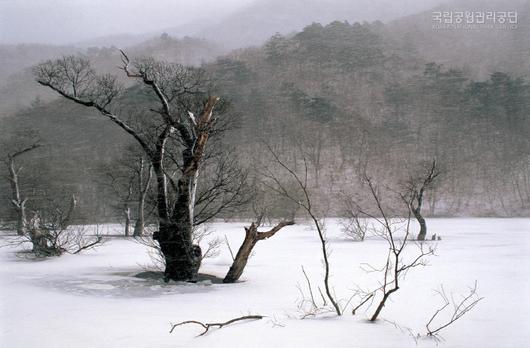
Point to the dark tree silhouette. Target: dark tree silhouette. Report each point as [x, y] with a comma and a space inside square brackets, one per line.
[415, 188]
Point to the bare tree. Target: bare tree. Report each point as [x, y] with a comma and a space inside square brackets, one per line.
[51, 234]
[179, 110]
[121, 183]
[144, 175]
[415, 188]
[15, 150]
[458, 310]
[252, 237]
[310, 304]
[305, 203]
[353, 226]
[396, 231]
[129, 178]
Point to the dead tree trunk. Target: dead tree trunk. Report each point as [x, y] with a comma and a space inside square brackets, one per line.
[127, 215]
[19, 203]
[143, 188]
[252, 236]
[40, 238]
[182, 257]
[127, 209]
[416, 188]
[421, 220]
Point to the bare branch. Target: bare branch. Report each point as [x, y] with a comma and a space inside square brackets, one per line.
[460, 309]
[367, 298]
[281, 190]
[207, 326]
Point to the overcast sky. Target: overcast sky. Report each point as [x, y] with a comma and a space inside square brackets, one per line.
[67, 21]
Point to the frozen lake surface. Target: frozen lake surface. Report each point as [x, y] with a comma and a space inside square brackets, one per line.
[102, 299]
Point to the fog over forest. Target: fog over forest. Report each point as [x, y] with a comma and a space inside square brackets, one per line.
[408, 94]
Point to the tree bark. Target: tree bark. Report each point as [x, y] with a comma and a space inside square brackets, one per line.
[252, 236]
[423, 225]
[182, 257]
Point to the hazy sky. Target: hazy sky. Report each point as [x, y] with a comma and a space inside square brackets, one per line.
[66, 21]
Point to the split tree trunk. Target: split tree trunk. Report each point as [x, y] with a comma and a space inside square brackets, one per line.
[252, 236]
[182, 257]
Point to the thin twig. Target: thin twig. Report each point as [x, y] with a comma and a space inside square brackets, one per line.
[229, 248]
[362, 303]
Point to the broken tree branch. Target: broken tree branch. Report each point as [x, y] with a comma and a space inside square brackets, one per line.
[252, 236]
[207, 326]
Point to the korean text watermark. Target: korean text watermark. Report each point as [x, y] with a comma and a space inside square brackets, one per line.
[504, 20]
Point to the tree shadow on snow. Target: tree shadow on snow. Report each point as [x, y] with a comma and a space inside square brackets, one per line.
[126, 284]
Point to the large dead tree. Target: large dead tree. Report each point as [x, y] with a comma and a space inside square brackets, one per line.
[178, 110]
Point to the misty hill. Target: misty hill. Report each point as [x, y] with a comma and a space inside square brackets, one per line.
[256, 22]
[481, 51]
[14, 58]
[118, 40]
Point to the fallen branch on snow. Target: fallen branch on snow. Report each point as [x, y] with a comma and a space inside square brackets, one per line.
[207, 326]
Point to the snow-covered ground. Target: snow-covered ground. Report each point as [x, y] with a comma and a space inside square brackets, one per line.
[95, 300]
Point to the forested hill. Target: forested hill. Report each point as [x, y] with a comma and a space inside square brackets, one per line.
[351, 97]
